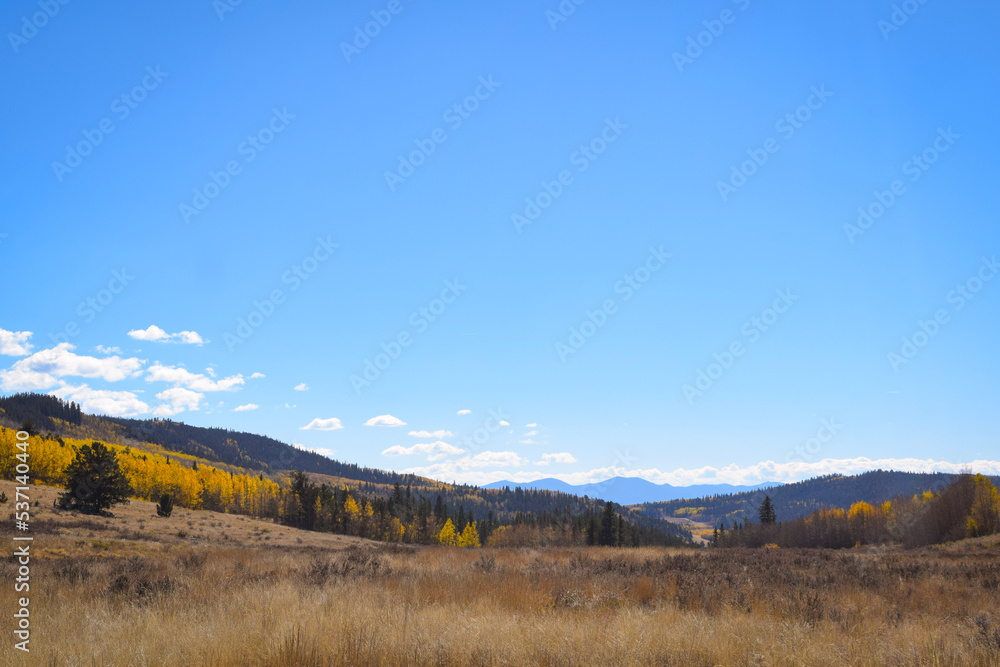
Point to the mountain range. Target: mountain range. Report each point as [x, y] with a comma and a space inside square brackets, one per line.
[631, 490]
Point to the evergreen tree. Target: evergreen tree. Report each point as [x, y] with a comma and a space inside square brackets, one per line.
[28, 427]
[166, 506]
[608, 537]
[94, 480]
[766, 512]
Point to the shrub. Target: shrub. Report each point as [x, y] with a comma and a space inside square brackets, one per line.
[166, 506]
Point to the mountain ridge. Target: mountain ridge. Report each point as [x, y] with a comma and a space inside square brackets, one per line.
[631, 490]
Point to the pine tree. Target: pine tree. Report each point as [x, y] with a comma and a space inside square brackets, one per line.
[165, 507]
[766, 512]
[608, 537]
[95, 481]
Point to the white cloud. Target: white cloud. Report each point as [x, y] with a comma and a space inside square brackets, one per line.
[532, 425]
[196, 381]
[431, 434]
[530, 433]
[108, 350]
[322, 451]
[155, 334]
[246, 408]
[44, 368]
[559, 457]
[178, 399]
[528, 441]
[15, 343]
[766, 471]
[101, 401]
[435, 450]
[465, 466]
[504, 422]
[257, 376]
[464, 412]
[287, 405]
[331, 424]
[385, 420]
[301, 387]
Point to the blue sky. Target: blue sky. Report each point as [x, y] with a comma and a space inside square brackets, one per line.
[567, 222]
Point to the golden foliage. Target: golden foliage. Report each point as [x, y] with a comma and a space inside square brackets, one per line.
[152, 475]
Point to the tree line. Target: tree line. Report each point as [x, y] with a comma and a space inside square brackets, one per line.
[799, 499]
[969, 507]
[98, 475]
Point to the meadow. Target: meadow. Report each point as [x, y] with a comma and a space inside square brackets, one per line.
[203, 588]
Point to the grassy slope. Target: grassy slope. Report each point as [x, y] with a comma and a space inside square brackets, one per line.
[136, 529]
[129, 591]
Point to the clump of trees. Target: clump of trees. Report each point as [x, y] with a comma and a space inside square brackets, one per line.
[452, 538]
[405, 516]
[969, 507]
[95, 481]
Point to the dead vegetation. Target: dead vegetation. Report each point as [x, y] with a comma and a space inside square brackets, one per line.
[389, 604]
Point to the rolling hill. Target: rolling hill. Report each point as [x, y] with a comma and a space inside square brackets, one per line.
[189, 445]
[799, 499]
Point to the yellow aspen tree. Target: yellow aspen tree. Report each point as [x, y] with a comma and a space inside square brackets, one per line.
[447, 535]
[470, 536]
[368, 520]
[394, 531]
[352, 514]
[984, 518]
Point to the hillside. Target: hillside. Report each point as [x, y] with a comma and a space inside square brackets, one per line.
[150, 444]
[236, 448]
[796, 500]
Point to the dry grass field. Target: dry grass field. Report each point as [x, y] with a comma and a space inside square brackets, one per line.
[131, 591]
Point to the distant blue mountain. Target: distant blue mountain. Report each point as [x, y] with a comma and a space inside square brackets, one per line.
[631, 490]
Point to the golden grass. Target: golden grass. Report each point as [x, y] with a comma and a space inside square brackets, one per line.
[360, 603]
